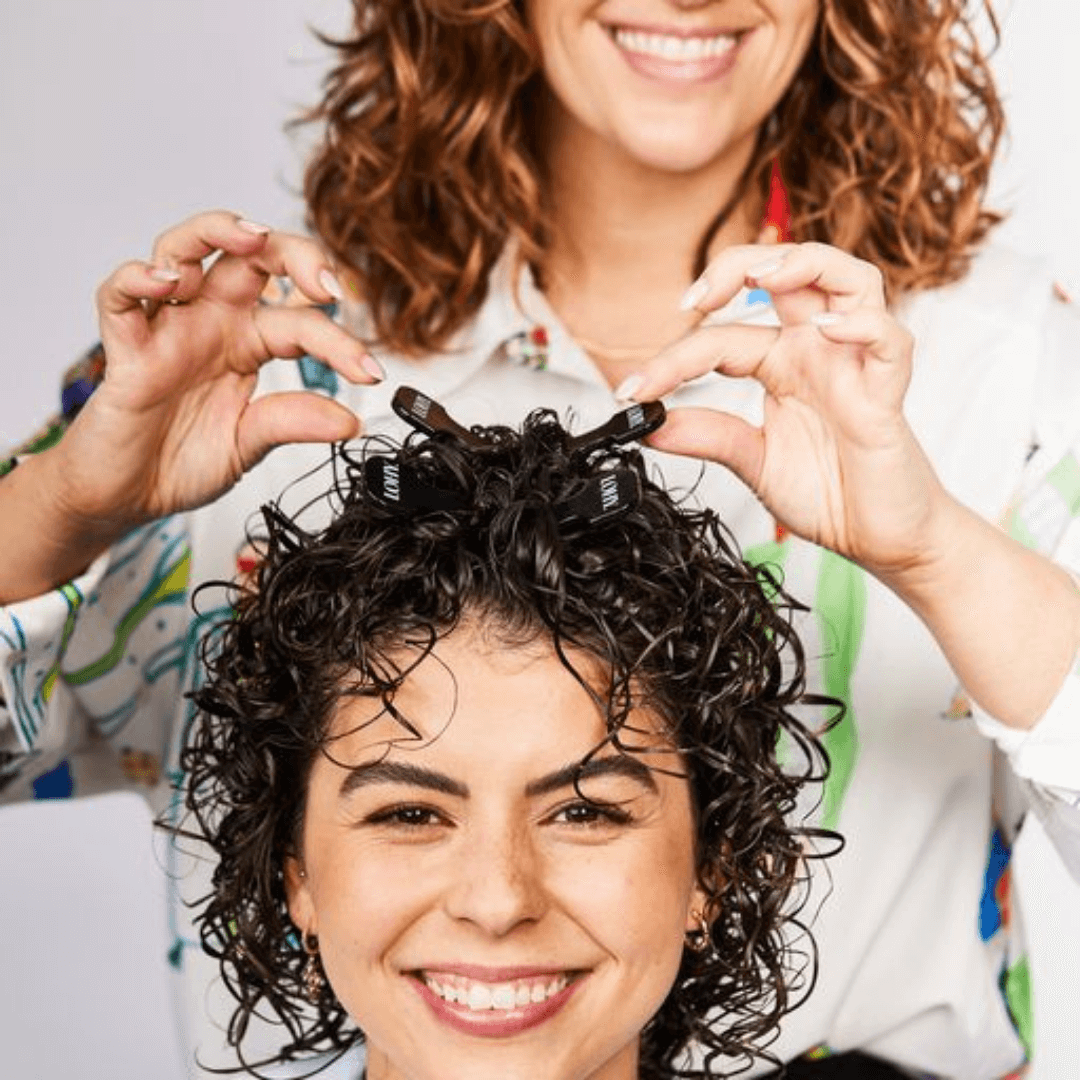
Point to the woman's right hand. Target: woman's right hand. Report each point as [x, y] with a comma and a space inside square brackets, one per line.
[173, 424]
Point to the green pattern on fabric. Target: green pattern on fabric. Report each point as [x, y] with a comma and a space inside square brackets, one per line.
[1017, 528]
[168, 586]
[74, 600]
[1018, 998]
[840, 607]
[1064, 478]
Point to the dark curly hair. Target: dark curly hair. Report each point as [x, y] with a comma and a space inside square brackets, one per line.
[429, 164]
[656, 594]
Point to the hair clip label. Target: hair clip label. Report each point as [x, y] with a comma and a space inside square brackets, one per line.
[600, 498]
[397, 487]
[635, 422]
[429, 416]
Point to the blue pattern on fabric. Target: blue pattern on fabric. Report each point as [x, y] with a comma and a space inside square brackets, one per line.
[315, 375]
[57, 783]
[996, 864]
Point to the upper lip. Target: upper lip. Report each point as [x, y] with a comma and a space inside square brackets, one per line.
[674, 31]
[479, 973]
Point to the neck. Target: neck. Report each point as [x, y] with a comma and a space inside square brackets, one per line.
[624, 240]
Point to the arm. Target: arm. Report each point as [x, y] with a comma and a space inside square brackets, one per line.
[837, 463]
[172, 425]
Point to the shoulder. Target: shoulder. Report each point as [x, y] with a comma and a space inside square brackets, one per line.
[1003, 287]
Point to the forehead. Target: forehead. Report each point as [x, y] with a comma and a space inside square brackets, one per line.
[477, 702]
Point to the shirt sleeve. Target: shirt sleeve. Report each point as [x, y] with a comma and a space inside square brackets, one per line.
[1045, 517]
[89, 672]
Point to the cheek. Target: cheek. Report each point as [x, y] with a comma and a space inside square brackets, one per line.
[634, 902]
[362, 903]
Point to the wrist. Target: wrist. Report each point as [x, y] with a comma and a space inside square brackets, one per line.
[949, 536]
[45, 543]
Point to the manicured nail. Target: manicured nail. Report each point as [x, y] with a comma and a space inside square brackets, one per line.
[626, 390]
[764, 269]
[331, 284]
[695, 294]
[163, 273]
[252, 227]
[826, 318]
[372, 367]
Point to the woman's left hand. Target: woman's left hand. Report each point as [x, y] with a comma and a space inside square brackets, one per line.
[834, 460]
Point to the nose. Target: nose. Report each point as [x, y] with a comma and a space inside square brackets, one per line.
[497, 882]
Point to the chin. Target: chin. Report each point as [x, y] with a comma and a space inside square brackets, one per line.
[672, 145]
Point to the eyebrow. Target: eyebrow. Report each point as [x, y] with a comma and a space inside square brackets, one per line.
[400, 772]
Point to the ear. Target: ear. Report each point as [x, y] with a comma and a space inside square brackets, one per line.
[298, 894]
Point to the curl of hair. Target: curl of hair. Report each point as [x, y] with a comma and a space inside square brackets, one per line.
[658, 597]
[429, 165]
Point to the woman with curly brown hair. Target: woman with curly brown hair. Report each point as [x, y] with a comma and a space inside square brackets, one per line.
[489, 767]
[530, 204]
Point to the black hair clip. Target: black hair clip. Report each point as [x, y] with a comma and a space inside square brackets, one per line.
[397, 487]
[600, 498]
[429, 416]
[633, 423]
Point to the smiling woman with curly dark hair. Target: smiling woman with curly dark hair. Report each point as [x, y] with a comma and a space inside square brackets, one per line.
[502, 766]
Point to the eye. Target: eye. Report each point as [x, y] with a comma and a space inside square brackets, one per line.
[591, 814]
[407, 816]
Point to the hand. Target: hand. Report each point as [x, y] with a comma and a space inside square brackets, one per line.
[834, 459]
[172, 425]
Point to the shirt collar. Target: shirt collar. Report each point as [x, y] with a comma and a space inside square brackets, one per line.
[520, 326]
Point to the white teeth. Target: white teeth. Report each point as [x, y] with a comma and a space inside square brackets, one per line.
[679, 49]
[481, 997]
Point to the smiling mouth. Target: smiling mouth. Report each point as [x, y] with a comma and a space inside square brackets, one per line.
[675, 48]
[482, 997]
[499, 1009]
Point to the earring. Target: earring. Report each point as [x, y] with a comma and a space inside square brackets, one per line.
[312, 976]
[699, 940]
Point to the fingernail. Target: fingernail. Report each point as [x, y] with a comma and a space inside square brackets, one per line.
[764, 269]
[372, 367]
[331, 284]
[163, 273]
[626, 390]
[695, 294]
[252, 226]
[826, 318]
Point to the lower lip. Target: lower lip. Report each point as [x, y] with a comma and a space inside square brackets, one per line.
[495, 1023]
[683, 72]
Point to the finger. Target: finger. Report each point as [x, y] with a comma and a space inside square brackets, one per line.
[847, 282]
[305, 331]
[713, 436]
[733, 350]
[299, 417]
[880, 335]
[184, 246]
[240, 280]
[728, 273]
[122, 297]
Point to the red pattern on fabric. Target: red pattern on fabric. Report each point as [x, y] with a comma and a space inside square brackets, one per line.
[778, 210]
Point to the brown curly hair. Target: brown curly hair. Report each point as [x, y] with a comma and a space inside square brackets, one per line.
[428, 164]
[658, 595]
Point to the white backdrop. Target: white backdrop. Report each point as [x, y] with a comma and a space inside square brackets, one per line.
[118, 117]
